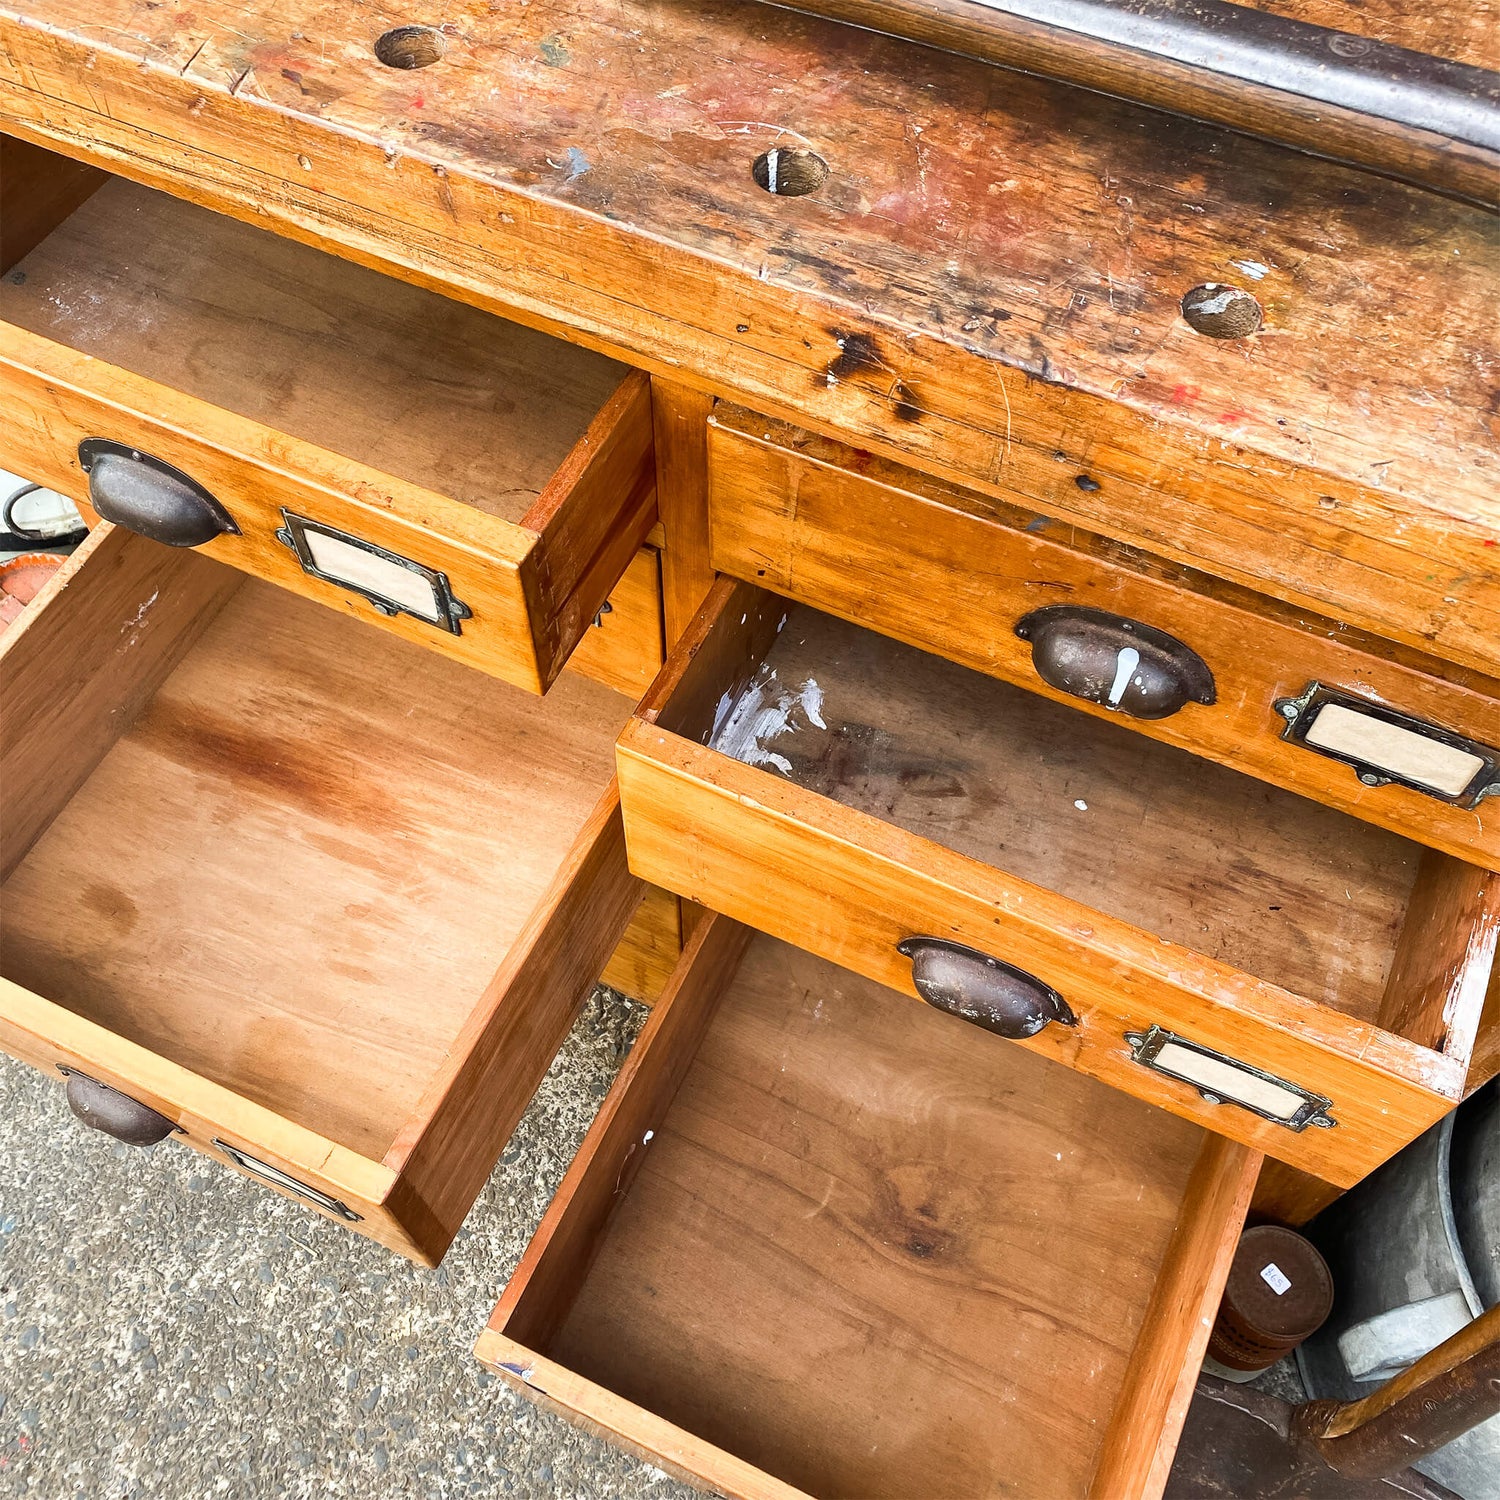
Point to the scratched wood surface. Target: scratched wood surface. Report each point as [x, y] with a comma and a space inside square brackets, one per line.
[849, 882]
[990, 275]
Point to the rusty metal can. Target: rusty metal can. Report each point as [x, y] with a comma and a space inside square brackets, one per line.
[1279, 1292]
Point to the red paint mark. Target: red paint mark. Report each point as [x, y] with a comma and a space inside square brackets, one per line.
[1184, 395]
[1236, 414]
[1490, 542]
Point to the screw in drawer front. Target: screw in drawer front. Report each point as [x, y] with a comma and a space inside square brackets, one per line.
[1221, 1079]
[1118, 663]
[394, 584]
[284, 1180]
[1385, 747]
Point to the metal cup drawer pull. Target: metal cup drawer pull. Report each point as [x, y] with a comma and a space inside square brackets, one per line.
[1225, 1080]
[1384, 746]
[274, 1175]
[101, 1107]
[975, 987]
[394, 584]
[1117, 663]
[150, 497]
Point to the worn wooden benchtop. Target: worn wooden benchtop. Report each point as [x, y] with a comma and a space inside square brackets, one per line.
[987, 285]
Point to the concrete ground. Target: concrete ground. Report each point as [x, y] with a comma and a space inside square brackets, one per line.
[170, 1329]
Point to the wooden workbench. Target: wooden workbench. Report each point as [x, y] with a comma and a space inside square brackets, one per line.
[987, 286]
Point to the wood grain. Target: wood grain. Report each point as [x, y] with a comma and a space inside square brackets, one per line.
[644, 960]
[38, 190]
[1283, 1195]
[1445, 958]
[681, 418]
[849, 882]
[991, 276]
[1146, 1423]
[271, 374]
[1349, 92]
[593, 516]
[557, 1260]
[49, 1036]
[1485, 1061]
[604, 1415]
[363, 771]
[625, 650]
[1184, 850]
[79, 665]
[446, 1151]
[376, 370]
[1442, 28]
[831, 1168]
[951, 571]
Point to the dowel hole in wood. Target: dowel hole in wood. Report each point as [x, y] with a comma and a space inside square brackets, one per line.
[1221, 312]
[789, 171]
[410, 47]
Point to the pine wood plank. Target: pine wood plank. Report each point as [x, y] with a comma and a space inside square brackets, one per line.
[681, 415]
[449, 398]
[625, 649]
[79, 665]
[360, 769]
[1016, 308]
[558, 1258]
[1158, 1387]
[447, 1149]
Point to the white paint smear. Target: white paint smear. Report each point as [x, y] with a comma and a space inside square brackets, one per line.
[766, 711]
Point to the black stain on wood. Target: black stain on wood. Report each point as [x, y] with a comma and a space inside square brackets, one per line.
[858, 354]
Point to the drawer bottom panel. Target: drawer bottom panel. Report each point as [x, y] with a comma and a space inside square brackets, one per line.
[864, 1251]
[312, 894]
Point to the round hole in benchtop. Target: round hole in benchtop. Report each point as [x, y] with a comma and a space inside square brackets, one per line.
[789, 171]
[1220, 311]
[410, 47]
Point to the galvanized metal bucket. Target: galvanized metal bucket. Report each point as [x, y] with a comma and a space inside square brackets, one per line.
[1415, 1256]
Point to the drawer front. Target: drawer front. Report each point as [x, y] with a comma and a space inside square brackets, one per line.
[794, 1168]
[1242, 680]
[504, 598]
[196, 1112]
[390, 881]
[1282, 1071]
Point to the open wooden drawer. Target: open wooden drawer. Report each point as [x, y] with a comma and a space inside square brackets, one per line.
[1376, 729]
[324, 902]
[822, 1241]
[471, 484]
[1271, 968]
